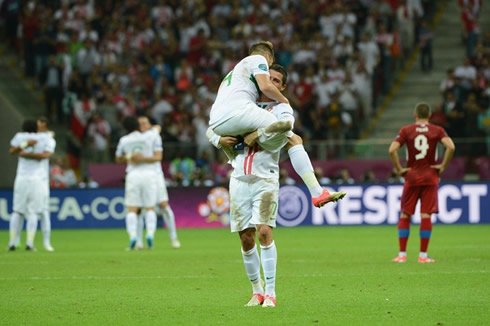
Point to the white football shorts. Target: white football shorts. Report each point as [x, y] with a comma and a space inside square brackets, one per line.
[253, 203]
[141, 189]
[28, 195]
[249, 119]
[162, 193]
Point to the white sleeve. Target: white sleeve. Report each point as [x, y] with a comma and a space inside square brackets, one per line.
[157, 144]
[213, 138]
[50, 145]
[119, 149]
[16, 140]
[258, 65]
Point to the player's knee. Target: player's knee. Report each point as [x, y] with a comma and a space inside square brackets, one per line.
[265, 235]
[247, 238]
[164, 204]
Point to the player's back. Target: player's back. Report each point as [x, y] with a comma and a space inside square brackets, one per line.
[26, 166]
[238, 88]
[137, 142]
[421, 140]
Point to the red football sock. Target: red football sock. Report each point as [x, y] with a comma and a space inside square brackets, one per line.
[403, 233]
[425, 233]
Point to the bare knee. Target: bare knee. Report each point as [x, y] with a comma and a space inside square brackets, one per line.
[265, 235]
[293, 141]
[247, 238]
[164, 204]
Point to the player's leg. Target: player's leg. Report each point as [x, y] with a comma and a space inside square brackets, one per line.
[251, 261]
[133, 200]
[151, 225]
[140, 225]
[169, 219]
[46, 230]
[266, 197]
[302, 165]
[148, 198]
[46, 218]
[167, 212]
[251, 119]
[428, 206]
[20, 227]
[31, 228]
[268, 256]
[14, 230]
[408, 201]
[131, 225]
[240, 221]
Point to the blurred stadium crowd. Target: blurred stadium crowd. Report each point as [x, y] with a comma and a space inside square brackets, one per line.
[99, 61]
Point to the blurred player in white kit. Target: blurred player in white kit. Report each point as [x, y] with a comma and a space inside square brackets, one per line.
[162, 194]
[31, 187]
[140, 151]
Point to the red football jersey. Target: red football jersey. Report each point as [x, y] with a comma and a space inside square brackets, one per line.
[421, 140]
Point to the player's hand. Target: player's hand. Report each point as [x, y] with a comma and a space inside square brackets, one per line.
[403, 171]
[157, 128]
[439, 168]
[136, 158]
[251, 138]
[228, 141]
[31, 142]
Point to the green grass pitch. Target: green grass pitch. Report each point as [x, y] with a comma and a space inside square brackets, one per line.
[325, 276]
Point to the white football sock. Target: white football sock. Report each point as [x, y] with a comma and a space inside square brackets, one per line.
[169, 218]
[251, 261]
[14, 228]
[131, 221]
[20, 226]
[139, 230]
[31, 228]
[302, 165]
[423, 255]
[402, 254]
[151, 222]
[46, 227]
[268, 254]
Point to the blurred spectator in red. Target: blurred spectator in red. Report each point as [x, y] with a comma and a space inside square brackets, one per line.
[61, 175]
[98, 132]
[438, 117]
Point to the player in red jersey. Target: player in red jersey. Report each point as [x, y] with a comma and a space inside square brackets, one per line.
[421, 176]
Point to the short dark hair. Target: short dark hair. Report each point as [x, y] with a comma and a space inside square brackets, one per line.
[277, 67]
[44, 120]
[130, 124]
[29, 125]
[422, 110]
[262, 47]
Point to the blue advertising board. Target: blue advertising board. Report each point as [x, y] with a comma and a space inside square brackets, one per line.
[461, 203]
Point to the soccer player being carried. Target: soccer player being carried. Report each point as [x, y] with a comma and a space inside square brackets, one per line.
[140, 151]
[421, 176]
[236, 113]
[31, 186]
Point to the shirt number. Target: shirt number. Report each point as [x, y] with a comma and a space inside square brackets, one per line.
[228, 78]
[422, 146]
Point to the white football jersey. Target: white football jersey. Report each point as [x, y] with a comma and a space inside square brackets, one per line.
[33, 167]
[136, 142]
[51, 145]
[238, 88]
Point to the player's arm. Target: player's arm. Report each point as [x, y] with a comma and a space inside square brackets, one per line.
[36, 156]
[268, 88]
[448, 155]
[393, 151]
[17, 149]
[139, 158]
[219, 141]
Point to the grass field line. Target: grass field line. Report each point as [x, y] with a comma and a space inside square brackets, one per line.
[157, 277]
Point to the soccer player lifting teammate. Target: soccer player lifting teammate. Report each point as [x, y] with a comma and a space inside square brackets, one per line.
[235, 112]
[421, 176]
